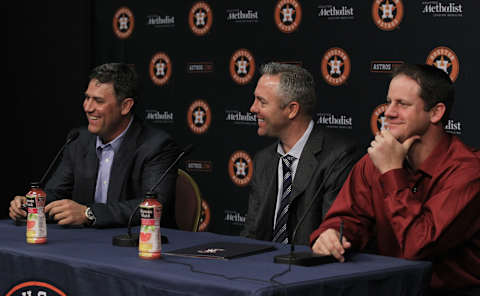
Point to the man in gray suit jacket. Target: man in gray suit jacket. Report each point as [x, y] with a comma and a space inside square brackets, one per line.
[288, 173]
[105, 172]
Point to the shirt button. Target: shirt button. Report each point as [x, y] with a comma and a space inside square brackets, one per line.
[414, 189]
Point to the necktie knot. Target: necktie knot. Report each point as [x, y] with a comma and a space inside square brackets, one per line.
[288, 160]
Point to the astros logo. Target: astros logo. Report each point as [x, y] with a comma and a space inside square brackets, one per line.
[199, 116]
[377, 120]
[242, 66]
[200, 18]
[387, 14]
[240, 168]
[288, 15]
[445, 59]
[123, 23]
[205, 216]
[335, 66]
[160, 68]
[26, 288]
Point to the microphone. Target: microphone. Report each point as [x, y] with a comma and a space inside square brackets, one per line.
[131, 240]
[307, 258]
[185, 151]
[72, 135]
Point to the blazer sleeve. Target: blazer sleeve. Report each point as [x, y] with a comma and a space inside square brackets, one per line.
[60, 183]
[353, 206]
[337, 173]
[250, 226]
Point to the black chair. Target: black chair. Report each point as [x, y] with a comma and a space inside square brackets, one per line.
[188, 202]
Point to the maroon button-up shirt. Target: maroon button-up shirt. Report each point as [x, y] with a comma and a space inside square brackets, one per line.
[432, 213]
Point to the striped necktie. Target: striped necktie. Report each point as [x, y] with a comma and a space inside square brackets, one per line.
[280, 233]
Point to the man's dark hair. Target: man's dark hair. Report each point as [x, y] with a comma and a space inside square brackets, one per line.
[122, 76]
[435, 85]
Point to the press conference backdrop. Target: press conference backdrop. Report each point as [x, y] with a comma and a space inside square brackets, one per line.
[199, 63]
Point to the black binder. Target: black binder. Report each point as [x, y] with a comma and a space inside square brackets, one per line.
[221, 250]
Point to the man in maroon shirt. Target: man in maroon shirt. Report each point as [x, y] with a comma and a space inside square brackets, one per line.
[416, 193]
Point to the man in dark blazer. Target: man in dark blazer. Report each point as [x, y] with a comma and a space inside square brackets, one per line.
[105, 172]
[284, 104]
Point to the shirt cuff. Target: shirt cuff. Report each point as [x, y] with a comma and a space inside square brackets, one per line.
[324, 226]
[394, 180]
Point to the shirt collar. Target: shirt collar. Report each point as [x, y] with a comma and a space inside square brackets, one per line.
[437, 157]
[297, 149]
[115, 143]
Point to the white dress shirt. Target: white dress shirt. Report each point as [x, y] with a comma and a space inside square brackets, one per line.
[296, 152]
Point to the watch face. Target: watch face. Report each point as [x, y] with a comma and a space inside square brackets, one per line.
[90, 214]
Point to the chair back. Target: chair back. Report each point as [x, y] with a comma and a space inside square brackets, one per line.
[188, 202]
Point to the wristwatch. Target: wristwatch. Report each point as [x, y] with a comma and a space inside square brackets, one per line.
[90, 217]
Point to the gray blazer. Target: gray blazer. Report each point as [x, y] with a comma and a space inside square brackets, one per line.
[143, 156]
[325, 155]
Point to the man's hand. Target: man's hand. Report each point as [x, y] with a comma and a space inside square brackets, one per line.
[15, 210]
[67, 212]
[328, 243]
[387, 153]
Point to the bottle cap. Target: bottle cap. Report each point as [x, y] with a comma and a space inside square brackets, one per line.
[150, 194]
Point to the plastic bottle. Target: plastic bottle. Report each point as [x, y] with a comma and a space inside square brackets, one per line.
[150, 241]
[36, 223]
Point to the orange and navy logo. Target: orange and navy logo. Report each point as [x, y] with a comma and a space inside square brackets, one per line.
[205, 215]
[336, 66]
[387, 14]
[35, 288]
[445, 59]
[242, 66]
[200, 18]
[377, 120]
[160, 68]
[240, 168]
[123, 23]
[199, 117]
[288, 15]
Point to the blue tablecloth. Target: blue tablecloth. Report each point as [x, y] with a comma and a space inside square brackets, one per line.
[83, 261]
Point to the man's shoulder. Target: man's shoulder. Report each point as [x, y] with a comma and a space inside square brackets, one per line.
[332, 137]
[150, 130]
[83, 133]
[147, 133]
[325, 142]
[267, 151]
[84, 137]
[464, 155]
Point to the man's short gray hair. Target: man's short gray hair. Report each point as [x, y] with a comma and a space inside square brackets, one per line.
[296, 84]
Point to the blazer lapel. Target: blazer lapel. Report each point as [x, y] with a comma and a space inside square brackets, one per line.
[270, 194]
[85, 192]
[307, 164]
[122, 162]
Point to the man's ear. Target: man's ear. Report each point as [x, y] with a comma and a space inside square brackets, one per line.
[436, 113]
[293, 109]
[127, 105]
